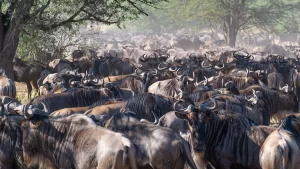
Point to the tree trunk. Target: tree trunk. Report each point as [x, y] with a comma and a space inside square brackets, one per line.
[232, 38]
[9, 40]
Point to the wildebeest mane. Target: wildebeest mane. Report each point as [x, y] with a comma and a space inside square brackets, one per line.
[74, 98]
[171, 88]
[146, 103]
[224, 126]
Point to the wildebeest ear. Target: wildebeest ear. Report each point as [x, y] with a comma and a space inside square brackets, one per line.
[35, 124]
[23, 123]
[181, 115]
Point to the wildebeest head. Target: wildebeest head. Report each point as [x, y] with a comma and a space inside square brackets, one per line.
[291, 124]
[2, 73]
[197, 120]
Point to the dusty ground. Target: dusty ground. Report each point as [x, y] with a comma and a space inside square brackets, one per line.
[22, 92]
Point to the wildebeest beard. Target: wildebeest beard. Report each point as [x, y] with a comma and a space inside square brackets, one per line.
[48, 139]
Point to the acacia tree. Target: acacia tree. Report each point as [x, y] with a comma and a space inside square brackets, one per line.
[232, 16]
[19, 15]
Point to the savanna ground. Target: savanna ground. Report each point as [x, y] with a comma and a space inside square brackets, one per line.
[22, 92]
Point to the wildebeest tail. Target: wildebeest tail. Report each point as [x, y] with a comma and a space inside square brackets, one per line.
[187, 155]
[280, 157]
[129, 152]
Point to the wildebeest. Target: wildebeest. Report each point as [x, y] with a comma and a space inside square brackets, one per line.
[75, 98]
[27, 73]
[73, 142]
[157, 147]
[11, 142]
[7, 86]
[102, 113]
[228, 140]
[282, 147]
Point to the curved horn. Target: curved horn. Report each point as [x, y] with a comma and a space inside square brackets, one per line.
[155, 72]
[219, 68]
[136, 72]
[161, 68]
[202, 64]
[190, 79]
[28, 114]
[175, 106]
[213, 107]
[82, 80]
[155, 117]
[44, 107]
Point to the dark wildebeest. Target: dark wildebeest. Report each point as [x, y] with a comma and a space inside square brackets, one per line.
[27, 73]
[278, 104]
[7, 86]
[227, 140]
[73, 142]
[157, 147]
[11, 142]
[145, 104]
[282, 147]
[75, 98]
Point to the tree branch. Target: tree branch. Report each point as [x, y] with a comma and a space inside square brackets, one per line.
[140, 10]
[40, 10]
[56, 25]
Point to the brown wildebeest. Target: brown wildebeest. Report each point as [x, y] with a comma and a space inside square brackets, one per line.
[73, 142]
[69, 111]
[157, 147]
[282, 148]
[102, 113]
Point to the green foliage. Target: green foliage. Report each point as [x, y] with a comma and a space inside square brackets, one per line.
[278, 16]
[47, 25]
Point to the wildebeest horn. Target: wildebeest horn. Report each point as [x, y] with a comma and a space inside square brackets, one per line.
[175, 106]
[219, 68]
[28, 112]
[252, 57]
[178, 74]
[155, 72]
[213, 107]
[82, 80]
[161, 68]
[143, 59]
[190, 79]
[174, 59]
[44, 107]
[202, 65]
[155, 117]
[138, 73]
[284, 87]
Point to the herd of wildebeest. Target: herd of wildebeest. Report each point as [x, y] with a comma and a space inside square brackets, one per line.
[222, 110]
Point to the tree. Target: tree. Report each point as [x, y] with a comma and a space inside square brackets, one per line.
[19, 15]
[233, 16]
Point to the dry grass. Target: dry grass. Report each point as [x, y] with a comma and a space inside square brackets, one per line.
[22, 92]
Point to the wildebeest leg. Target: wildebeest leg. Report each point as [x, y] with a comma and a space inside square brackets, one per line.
[29, 88]
[35, 85]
